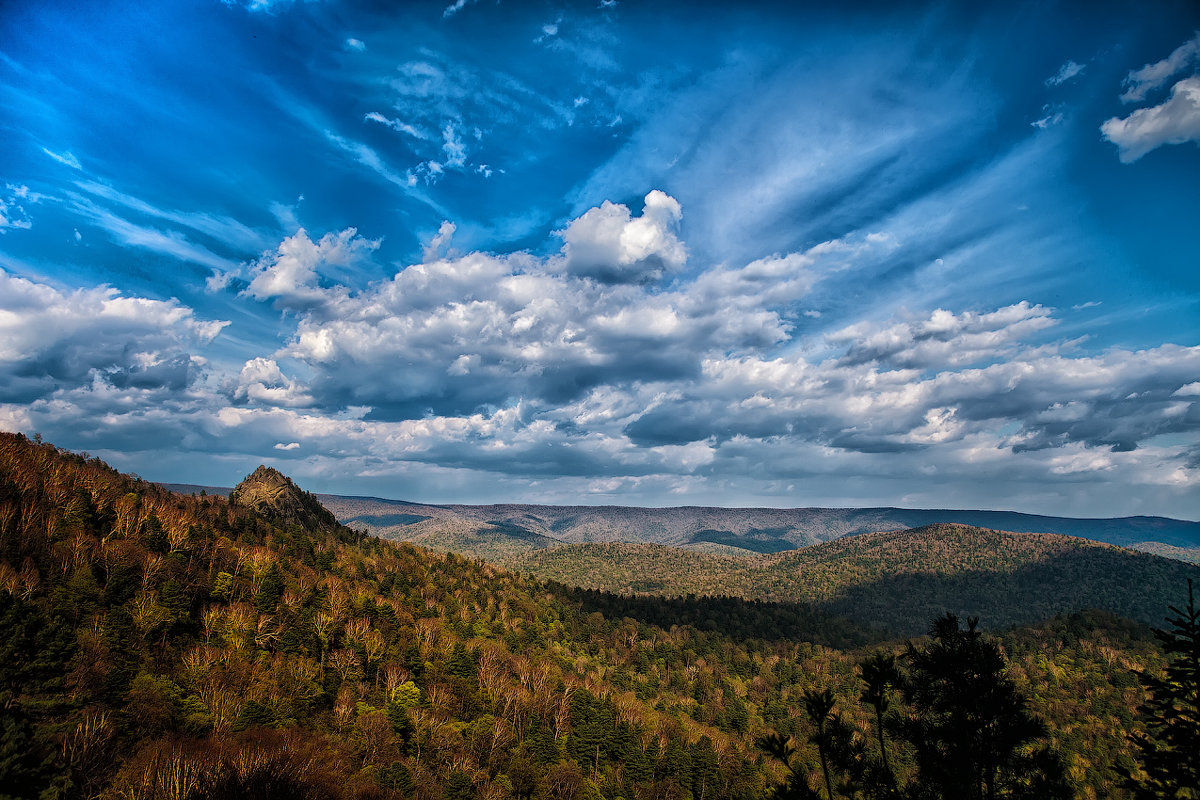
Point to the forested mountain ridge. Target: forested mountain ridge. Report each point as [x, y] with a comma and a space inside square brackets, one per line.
[502, 531]
[157, 645]
[895, 580]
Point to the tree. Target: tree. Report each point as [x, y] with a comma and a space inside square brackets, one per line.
[879, 676]
[971, 730]
[1169, 751]
[794, 787]
[819, 706]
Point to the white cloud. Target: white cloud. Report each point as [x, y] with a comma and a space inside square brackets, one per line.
[49, 338]
[1175, 121]
[12, 208]
[944, 338]
[455, 7]
[291, 276]
[355, 44]
[167, 242]
[262, 381]
[445, 233]
[523, 368]
[1048, 121]
[224, 229]
[397, 125]
[608, 243]
[66, 158]
[1150, 77]
[1065, 73]
[262, 6]
[453, 146]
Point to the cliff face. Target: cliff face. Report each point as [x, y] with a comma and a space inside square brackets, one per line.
[273, 495]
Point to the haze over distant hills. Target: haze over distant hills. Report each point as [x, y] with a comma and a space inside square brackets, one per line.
[508, 531]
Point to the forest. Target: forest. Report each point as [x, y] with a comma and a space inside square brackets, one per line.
[159, 645]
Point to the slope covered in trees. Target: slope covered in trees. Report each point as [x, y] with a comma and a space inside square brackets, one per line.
[502, 531]
[898, 580]
[154, 645]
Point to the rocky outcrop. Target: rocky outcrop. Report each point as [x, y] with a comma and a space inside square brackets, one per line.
[273, 495]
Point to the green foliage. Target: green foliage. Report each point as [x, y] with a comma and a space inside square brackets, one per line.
[1169, 751]
[971, 729]
[260, 652]
[222, 588]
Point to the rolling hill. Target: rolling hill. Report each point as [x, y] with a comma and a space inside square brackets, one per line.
[505, 531]
[499, 532]
[896, 580]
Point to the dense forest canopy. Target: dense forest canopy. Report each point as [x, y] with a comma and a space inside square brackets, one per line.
[157, 645]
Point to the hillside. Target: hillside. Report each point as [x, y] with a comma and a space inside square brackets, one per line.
[501, 531]
[895, 580]
[165, 646]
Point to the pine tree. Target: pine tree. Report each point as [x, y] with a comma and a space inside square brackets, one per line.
[879, 676]
[1169, 752]
[819, 706]
[971, 729]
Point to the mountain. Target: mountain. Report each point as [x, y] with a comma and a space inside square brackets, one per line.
[272, 495]
[895, 581]
[164, 645]
[500, 532]
[505, 531]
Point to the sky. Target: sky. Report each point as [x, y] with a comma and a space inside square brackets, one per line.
[935, 255]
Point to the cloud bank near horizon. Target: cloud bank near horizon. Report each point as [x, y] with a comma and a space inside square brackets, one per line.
[515, 365]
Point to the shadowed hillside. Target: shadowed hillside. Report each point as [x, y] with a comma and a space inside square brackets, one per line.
[895, 580]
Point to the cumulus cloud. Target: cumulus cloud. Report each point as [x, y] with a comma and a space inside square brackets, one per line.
[610, 244]
[944, 338]
[1175, 121]
[355, 44]
[442, 239]
[262, 381]
[50, 339]
[292, 276]
[529, 369]
[1141, 82]
[636, 365]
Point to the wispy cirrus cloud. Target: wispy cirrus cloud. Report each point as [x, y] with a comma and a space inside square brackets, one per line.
[66, 158]
[171, 243]
[1066, 72]
[1141, 82]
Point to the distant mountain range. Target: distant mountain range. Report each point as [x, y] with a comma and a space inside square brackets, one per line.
[894, 581]
[508, 532]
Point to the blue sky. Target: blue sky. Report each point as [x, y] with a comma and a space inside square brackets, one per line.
[840, 254]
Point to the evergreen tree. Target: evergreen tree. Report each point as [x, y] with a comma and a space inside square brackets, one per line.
[970, 728]
[1169, 752]
[819, 706]
[879, 676]
[794, 786]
